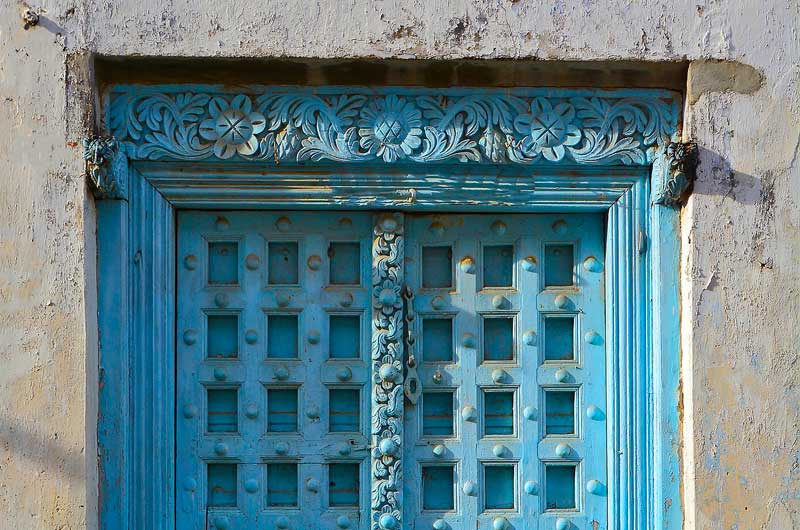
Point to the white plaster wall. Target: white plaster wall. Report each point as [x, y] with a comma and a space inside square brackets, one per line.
[740, 231]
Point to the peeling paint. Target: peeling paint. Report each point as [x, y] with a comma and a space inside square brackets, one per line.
[706, 76]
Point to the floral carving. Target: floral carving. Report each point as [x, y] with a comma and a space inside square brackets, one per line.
[295, 126]
[683, 159]
[232, 126]
[548, 130]
[387, 388]
[99, 154]
[390, 127]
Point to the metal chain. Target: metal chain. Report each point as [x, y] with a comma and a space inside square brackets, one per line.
[411, 386]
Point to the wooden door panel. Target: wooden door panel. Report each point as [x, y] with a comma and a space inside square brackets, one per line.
[498, 439]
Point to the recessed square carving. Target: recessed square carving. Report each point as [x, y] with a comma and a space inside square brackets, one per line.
[560, 486]
[559, 412]
[222, 482]
[345, 263]
[282, 336]
[344, 406]
[222, 336]
[437, 267]
[282, 410]
[558, 265]
[343, 484]
[437, 340]
[437, 413]
[498, 266]
[282, 484]
[438, 487]
[498, 487]
[498, 339]
[223, 409]
[559, 338]
[498, 413]
[283, 263]
[223, 262]
[344, 337]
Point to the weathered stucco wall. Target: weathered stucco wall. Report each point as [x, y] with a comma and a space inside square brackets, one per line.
[741, 229]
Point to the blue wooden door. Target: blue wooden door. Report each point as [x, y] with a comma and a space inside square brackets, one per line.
[508, 319]
[275, 376]
[272, 370]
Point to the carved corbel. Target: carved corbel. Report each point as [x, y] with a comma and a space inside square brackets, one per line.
[679, 175]
[105, 167]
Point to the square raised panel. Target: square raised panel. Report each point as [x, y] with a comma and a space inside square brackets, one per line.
[437, 267]
[438, 485]
[559, 481]
[498, 265]
[223, 262]
[344, 337]
[222, 480]
[223, 410]
[498, 339]
[282, 267]
[559, 406]
[437, 413]
[437, 340]
[498, 413]
[498, 487]
[343, 484]
[282, 410]
[558, 265]
[344, 410]
[282, 336]
[222, 341]
[345, 263]
[559, 338]
[281, 484]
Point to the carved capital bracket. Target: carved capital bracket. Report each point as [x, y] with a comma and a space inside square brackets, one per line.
[679, 175]
[106, 167]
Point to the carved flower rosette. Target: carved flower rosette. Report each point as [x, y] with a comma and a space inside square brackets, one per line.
[295, 126]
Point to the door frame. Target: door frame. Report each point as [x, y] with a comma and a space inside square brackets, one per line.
[615, 151]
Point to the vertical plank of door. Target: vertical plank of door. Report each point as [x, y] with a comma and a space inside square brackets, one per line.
[468, 321]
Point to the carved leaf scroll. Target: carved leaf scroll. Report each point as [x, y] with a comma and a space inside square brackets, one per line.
[296, 126]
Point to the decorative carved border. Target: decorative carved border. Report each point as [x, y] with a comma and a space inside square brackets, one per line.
[387, 372]
[283, 125]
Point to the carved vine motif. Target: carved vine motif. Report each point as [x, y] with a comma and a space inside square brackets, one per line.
[297, 126]
[99, 153]
[683, 159]
[387, 385]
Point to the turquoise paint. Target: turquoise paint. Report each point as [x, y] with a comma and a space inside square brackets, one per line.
[499, 312]
[136, 238]
[298, 419]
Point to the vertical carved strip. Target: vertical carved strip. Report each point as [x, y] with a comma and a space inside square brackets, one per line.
[387, 372]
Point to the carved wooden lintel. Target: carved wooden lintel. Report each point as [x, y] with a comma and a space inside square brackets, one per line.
[105, 166]
[679, 176]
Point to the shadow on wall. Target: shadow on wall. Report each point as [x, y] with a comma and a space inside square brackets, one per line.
[716, 177]
[42, 452]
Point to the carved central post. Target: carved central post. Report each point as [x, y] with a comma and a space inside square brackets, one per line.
[387, 372]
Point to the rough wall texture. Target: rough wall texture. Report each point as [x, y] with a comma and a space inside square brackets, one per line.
[741, 229]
